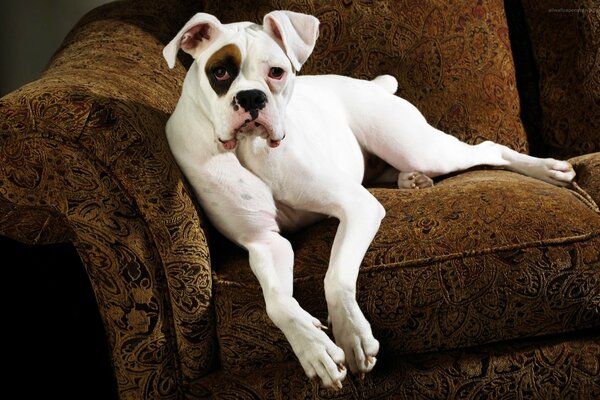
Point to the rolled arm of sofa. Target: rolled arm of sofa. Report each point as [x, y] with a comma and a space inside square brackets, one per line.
[587, 168]
[84, 159]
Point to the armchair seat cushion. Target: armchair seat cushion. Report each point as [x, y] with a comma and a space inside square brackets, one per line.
[563, 367]
[481, 257]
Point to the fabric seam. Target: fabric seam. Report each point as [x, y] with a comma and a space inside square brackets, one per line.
[435, 259]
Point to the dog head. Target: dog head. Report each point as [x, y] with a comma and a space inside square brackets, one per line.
[243, 73]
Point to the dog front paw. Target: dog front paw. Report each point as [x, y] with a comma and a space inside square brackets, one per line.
[318, 354]
[323, 359]
[353, 334]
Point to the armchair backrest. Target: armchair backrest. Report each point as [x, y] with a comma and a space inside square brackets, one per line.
[452, 60]
[565, 38]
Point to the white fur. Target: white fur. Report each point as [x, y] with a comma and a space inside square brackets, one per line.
[324, 126]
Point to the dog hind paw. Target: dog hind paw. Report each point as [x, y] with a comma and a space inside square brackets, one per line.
[562, 171]
[414, 180]
[559, 173]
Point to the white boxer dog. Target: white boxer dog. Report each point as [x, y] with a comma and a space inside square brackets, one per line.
[268, 152]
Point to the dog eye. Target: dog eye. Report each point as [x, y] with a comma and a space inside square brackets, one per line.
[276, 73]
[221, 74]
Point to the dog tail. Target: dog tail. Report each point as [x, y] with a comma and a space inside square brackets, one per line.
[387, 82]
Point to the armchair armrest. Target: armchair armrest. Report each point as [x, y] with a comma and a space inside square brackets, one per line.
[587, 168]
[84, 158]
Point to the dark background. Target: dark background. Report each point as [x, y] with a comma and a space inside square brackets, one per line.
[56, 346]
[30, 31]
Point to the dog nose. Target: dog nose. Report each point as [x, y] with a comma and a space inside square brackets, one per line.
[252, 101]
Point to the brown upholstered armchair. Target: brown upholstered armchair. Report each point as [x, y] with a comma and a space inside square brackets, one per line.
[485, 286]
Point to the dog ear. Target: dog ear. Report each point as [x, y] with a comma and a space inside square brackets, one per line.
[194, 37]
[296, 33]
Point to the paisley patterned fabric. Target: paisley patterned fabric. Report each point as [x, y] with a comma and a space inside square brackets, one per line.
[501, 257]
[481, 258]
[83, 158]
[452, 59]
[566, 41]
[588, 178]
[551, 369]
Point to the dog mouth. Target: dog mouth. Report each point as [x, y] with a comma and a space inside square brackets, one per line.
[250, 128]
[259, 127]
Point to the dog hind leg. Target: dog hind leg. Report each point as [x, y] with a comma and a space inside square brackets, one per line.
[398, 133]
[556, 172]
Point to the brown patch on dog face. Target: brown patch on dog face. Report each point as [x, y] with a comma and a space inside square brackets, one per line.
[223, 67]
